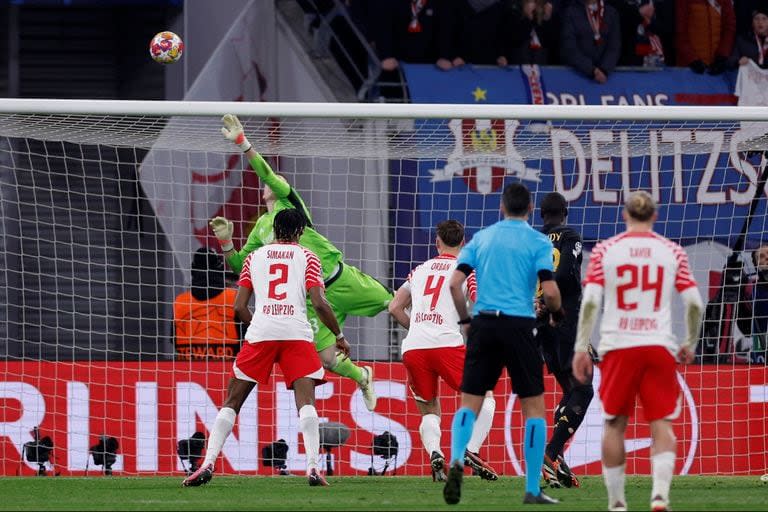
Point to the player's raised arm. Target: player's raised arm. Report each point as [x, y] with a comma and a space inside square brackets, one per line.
[233, 130]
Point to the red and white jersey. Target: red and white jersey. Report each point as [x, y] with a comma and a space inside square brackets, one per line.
[434, 320]
[280, 275]
[639, 274]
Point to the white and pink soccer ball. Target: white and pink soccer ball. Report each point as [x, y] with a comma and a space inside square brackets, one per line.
[166, 47]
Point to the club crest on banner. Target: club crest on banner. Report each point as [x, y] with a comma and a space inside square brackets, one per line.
[484, 153]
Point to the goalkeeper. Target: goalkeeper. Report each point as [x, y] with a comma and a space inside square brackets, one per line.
[348, 290]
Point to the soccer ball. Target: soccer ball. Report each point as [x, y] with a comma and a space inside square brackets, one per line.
[166, 47]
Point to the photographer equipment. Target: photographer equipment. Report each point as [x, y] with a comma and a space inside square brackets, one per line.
[274, 455]
[386, 446]
[38, 451]
[104, 454]
[332, 435]
[717, 343]
[191, 449]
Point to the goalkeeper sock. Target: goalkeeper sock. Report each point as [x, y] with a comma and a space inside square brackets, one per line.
[662, 468]
[535, 437]
[225, 420]
[430, 433]
[482, 425]
[569, 417]
[346, 368]
[614, 483]
[461, 431]
[309, 424]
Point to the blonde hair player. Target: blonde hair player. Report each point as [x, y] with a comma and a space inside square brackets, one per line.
[635, 275]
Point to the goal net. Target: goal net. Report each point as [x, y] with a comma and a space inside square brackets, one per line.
[105, 206]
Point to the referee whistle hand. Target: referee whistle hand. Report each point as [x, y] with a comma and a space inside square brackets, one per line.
[582, 367]
[343, 347]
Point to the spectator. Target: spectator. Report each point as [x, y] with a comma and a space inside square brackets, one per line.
[705, 30]
[744, 10]
[753, 44]
[204, 318]
[641, 43]
[409, 31]
[476, 33]
[531, 35]
[591, 38]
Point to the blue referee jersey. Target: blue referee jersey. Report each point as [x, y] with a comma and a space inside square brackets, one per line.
[507, 257]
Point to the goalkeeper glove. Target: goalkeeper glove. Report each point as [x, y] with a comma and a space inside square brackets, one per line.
[233, 130]
[223, 229]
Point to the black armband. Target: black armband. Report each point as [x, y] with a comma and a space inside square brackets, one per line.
[464, 268]
[545, 275]
[464, 321]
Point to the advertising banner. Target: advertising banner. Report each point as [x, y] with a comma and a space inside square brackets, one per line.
[149, 407]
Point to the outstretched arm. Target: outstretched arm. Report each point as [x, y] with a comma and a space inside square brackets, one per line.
[233, 130]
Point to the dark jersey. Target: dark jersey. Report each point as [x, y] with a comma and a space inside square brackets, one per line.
[567, 257]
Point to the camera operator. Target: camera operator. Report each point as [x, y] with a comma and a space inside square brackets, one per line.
[753, 317]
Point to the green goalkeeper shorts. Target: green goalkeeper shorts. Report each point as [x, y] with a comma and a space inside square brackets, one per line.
[352, 293]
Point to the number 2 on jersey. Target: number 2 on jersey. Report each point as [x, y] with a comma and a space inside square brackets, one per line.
[282, 278]
[433, 289]
[646, 285]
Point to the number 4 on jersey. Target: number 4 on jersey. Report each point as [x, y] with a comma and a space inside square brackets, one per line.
[432, 288]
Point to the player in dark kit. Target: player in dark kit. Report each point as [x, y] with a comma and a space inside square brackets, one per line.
[557, 342]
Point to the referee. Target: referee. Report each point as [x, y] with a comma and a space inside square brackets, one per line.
[508, 257]
[557, 343]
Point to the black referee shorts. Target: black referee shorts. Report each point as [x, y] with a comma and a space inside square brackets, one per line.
[498, 342]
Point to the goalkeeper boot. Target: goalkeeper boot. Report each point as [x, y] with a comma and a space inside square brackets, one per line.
[549, 471]
[658, 504]
[539, 499]
[369, 395]
[437, 463]
[200, 477]
[480, 467]
[316, 479]
[564, 474]
[452, 489]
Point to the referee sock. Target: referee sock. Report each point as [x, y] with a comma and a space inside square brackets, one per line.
[482, 425]
[662, 467]
[346, 368]
[461, 431]
[535, 437]
[309, 424]
[222, 427]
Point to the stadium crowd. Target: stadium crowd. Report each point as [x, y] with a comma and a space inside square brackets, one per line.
[592, 36]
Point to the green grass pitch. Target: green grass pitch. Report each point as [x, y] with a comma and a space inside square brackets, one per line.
[356, 493]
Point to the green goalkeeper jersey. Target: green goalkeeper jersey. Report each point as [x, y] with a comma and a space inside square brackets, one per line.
[263, 233]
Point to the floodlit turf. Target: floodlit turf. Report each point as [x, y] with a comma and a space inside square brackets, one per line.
[355, 493]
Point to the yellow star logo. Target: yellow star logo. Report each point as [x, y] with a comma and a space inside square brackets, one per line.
[479, 94]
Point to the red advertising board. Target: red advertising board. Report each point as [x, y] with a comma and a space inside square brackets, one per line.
[148, 407]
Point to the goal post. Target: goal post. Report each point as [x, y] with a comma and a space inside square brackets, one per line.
[105, 203]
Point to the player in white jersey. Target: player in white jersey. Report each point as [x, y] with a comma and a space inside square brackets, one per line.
[280, 275]
[434, 347]
[635, 275]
